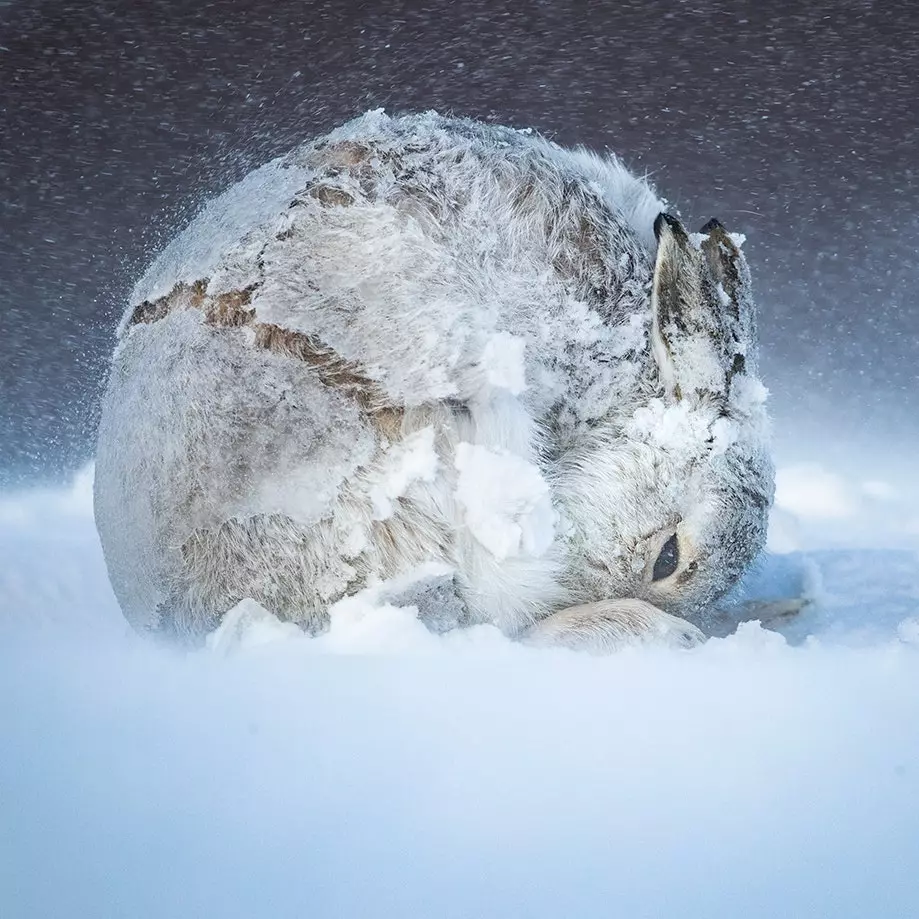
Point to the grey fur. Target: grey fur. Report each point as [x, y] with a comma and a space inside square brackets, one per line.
[438, 601]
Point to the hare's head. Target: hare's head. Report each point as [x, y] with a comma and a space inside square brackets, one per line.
[670, 504]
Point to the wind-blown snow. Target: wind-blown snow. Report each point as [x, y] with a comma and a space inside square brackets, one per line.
[381, 770]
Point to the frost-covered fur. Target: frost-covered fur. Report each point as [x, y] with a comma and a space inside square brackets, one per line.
[424, 343]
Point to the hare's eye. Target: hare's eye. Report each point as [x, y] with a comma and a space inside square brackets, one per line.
[667, 560]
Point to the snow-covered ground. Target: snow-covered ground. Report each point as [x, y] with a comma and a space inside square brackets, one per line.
[383, 771]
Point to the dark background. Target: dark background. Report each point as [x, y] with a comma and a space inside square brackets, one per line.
[793, 122]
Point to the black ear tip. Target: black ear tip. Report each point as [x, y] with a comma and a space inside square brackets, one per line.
[713, 224]
[664, 219]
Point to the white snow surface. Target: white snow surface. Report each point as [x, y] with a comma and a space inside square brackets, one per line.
[381, 770]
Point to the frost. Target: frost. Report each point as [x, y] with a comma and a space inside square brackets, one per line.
[411, 460]
[225, 234]
[748, 396]
[504, 364]
[677, 427]
[697, 362]
[724, 434]
[506, 501]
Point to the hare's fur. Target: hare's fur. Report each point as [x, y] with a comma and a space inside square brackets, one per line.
[302, 372]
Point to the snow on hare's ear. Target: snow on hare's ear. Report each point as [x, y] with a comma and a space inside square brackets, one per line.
[703, 332]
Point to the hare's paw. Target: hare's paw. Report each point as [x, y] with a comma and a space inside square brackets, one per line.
[609, 625]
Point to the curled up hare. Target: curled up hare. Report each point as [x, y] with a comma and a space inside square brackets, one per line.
[447, 356]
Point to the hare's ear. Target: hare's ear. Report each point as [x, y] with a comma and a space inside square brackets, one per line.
[731, 276]
[698, 296]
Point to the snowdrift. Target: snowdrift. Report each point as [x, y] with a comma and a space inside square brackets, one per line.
[383, 771]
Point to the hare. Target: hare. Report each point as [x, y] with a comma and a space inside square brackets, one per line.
[446, 354]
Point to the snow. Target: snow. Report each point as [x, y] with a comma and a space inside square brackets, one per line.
[506, 501]
[411, 460]
[677, 427]
[504, 362]
[249, 625]
[381, 770]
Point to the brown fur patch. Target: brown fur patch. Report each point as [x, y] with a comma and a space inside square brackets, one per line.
[344, 155]
[182, 296]
[330, 196]
[362, 165]
[332, 368]
[232, 310]
[229, 310]
[388, 421]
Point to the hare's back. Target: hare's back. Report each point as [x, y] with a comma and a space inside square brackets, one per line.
[405, 246]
